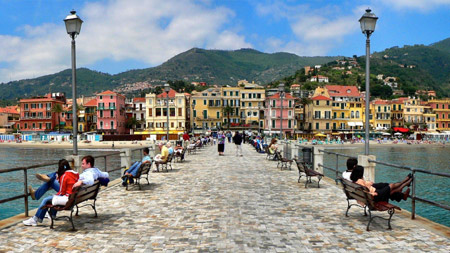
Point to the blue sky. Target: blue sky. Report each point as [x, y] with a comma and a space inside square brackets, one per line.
[118, 35]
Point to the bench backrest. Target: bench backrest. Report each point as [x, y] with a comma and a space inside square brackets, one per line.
[300, 165]
[81, 194]
[144, 169]
[357, 192]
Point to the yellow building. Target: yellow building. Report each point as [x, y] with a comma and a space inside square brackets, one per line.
[156, 118]
[347, 108]
[231, 97]
[252, 104]
[381, 114]
[413, 113]
[397, 117]
[318, 116]
[207, 111]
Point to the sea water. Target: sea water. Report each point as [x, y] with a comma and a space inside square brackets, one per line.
[419, 156]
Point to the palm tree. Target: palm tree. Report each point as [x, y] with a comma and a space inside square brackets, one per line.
[58, 109]
[132, 122]
[227, 110]
[304, 102]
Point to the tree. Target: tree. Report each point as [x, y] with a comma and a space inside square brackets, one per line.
[227, 110]
[57, 108]
[304, 102]
[132, 123]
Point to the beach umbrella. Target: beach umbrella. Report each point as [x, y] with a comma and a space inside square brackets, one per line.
[398, 134]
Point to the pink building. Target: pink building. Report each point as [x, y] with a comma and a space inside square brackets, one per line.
[273, 114]
[111, 117]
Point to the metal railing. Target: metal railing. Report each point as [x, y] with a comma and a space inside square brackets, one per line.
[25, 170]
[412, 170]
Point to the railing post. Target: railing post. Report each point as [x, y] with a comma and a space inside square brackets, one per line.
[76, 162]
[25, 182]
[369, 168]
[413, 196]
[337, 168]
[317, 159]
[125, 158]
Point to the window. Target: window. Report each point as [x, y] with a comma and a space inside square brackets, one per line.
[273, 123]
[357, 114]
[327, 126]
[249, 114]
[180, 112]
[150, 112]
[317, 125]
[243, 95]
[290, 103]
[327, 114]
[243, 103]
[334, 115]
[273, 114]
[218, 115]
[48, 125]
[317, 102]
[101, 114]
[334, 125]
[101, 124]
[172, 112]
[101, 98]
[289, 124]
[158, 112]
[224, 93]
[317, 114]
[342, 115]
[112, 114]
[172, 124]
[204, 101]
[352, 114]
[112, 124]
[342, 105]
[205, 114]
[290, 113]
[237, 93]
[194, 113]
[179, 101]
[258, 95]
[273, 103]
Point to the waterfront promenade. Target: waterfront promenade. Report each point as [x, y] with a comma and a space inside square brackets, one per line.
[227, 204]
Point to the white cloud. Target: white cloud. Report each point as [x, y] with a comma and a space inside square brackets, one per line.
[146, 31]
[316, 30]
[421, 5]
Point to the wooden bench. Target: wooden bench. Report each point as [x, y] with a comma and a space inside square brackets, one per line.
[166, 164]
[269, 155]
[144, 169]
[308, 172]
[366, 201]
[283, 162]
[79, 196]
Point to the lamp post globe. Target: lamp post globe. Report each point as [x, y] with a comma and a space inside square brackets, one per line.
[367, 22]
[73, 27]
[167, 89]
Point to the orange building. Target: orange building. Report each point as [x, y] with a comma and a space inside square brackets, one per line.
[36, 113]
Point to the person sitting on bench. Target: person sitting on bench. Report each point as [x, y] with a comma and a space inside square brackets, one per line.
[132, 171]
[382, 191]
[67, 178]
[351, 164]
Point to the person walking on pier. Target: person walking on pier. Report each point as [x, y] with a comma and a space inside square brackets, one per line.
[237, 139]
[221, 140]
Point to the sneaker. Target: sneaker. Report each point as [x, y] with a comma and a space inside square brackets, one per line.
[30, 222]
[32, 191]
[43, 177]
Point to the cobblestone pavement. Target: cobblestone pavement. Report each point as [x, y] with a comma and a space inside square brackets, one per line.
[226, 204]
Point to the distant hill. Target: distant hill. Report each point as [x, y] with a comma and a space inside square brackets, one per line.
[415, 67]
[211, 66]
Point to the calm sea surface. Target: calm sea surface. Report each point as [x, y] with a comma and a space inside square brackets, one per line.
[11, 183]
[420, 156]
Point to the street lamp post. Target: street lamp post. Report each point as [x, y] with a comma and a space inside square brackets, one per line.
[367, 22]
[167, 89]
[73, 27]
[192, 116]
[259, 118]
[281, 90]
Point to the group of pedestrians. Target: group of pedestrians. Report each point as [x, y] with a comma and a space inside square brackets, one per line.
[237, 139]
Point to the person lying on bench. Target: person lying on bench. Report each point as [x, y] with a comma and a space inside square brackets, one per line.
[67, 178]
[133, 170]
[382, 191]
[51, 182]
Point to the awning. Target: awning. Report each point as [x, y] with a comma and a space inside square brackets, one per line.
[400, 129]
[359, 123]
[351, 124]
[320, 135]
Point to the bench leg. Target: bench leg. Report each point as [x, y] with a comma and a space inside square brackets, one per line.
[51, 225]
[370, 220]
[390, 212]
[95, 210]
[299, 176]
[308, 180]
[348, 208]
[77, 210]
[319, 177]
[70, 219]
